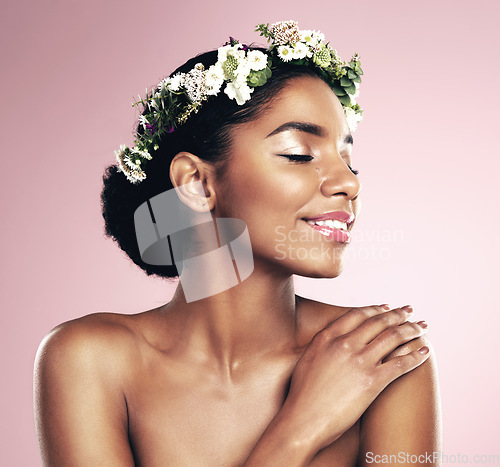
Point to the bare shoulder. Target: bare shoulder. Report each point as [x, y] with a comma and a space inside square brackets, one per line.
[315, 315]
[406, 415]
[81, 374]
[94, 333]
[98, 344]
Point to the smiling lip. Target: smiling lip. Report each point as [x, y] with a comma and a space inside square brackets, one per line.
[339, 234]
[341, 216]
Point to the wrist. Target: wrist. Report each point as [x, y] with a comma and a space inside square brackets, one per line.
[295, 436]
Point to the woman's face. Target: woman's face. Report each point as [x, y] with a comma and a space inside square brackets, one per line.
[276, 195]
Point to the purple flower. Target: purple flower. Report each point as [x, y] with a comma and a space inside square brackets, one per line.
[232, 41]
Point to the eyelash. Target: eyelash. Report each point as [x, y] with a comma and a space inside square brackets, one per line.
[306, 158]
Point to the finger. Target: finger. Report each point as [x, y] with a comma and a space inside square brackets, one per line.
[393, 337]
[353, 318]
[398, 366]
[376, 324]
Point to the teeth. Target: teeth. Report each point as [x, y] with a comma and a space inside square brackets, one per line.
[332, 224]
[340, 225]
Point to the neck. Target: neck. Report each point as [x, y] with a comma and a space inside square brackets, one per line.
[239, 324]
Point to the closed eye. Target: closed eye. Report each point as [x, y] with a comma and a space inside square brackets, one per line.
[307, 158]
[297, 157]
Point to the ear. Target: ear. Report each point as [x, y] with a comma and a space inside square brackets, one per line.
[193, 179]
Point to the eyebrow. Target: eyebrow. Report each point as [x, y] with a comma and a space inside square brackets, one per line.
[310, 128]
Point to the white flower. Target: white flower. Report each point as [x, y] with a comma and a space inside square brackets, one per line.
[222, 53]
[285, 52]
[238, 91]
[320, 37]
[176, 82]
[307, 36]
[194, 83]
[214, 78]
[311, 38]
[285, 32]
[232, 50]
[133, 164]
[352, 118]
[243, 71]
[118, 152]
[163, 83]
[257, 60]
[132, 171]
[229, 50]
[300, 50]
[143, 121]
[144, 154]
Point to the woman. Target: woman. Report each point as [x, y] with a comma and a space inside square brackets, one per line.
[250, 374]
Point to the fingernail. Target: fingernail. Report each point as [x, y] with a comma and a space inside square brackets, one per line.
[423, 324]
[423, 350]
[385, 306]
[408, 308]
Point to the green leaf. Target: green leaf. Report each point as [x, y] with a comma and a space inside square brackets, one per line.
[257, 78]
[357, 79]
[345, 82]
[350, 89]
[252, 80]
[345, 100]
[351, 74]
[339, 90]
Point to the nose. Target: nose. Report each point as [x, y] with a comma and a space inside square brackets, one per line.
[338, 179]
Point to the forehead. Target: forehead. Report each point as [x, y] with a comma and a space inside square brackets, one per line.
[304, 99]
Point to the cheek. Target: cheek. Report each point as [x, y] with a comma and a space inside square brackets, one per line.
[277, 187]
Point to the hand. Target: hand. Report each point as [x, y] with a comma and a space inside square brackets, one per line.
[341, 372]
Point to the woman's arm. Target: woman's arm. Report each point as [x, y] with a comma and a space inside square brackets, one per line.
[404, 421]
[80, 410]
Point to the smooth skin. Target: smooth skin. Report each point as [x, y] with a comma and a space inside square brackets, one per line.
[255, 375]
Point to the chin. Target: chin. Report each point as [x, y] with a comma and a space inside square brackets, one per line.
[320, 271]
[316, 261]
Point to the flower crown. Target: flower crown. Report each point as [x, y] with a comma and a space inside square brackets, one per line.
[241, 70]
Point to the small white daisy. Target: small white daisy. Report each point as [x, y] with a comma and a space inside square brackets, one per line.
[300, 50]
[285, 52]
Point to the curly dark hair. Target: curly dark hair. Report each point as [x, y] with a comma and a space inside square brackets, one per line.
[206, 134]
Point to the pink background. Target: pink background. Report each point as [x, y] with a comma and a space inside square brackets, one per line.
[427, 153]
